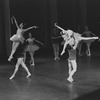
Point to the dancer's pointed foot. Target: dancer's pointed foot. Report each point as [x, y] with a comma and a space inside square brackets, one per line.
[9, 59]
[70, 80]
[28, 75]
[12, 77]
[55, 58]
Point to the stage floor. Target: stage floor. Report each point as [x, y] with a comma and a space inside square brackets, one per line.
[49, 80]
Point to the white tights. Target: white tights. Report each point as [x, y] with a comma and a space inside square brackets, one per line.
[20, 62]
[72, 69]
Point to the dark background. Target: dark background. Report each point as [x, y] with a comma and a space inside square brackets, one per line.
[72, 14]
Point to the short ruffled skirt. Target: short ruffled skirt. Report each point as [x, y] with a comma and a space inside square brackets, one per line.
[32, 48]
[17, 38]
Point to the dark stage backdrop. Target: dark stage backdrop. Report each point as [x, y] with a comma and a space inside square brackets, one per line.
[73, 14]
[5, 29]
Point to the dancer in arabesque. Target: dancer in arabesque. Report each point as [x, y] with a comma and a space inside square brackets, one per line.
[18, 37]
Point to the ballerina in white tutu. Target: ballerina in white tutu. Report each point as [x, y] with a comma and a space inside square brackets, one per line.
[18, 37]
[88, 43]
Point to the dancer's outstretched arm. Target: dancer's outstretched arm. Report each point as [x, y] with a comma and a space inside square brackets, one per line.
[15, 22]
[93, 34]
[29, 28]
[38, 41]
[63, 30]
[12, 20]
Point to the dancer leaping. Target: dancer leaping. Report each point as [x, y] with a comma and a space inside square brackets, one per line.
[18, 37]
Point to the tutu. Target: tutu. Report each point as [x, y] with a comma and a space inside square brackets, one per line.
[17, 38]
[32, 48]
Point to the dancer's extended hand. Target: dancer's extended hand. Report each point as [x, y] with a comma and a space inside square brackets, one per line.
[35, 26]
[55, 24]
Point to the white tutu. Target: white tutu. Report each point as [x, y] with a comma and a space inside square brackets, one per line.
[17, 38]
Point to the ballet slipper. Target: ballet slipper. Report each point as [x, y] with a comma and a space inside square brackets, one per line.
[12, 77]
[70, 80]
[55, 58]
[9, 59]
[28, 75]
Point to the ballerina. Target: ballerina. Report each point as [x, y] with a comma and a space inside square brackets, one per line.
[20, 60]
[31, 48]
[56, 39]
[86, 33]
[18, 37]
[72, 43]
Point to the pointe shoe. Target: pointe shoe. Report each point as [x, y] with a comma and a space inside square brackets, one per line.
[9, 59]
[12, 77]
[70, 80]
[28, 75]
[55, 58]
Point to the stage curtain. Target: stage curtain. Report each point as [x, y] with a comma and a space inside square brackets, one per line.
[83, 12]
[79, 14]
[5, 30]
[54, 16]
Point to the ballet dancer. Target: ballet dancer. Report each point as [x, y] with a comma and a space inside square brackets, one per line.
[31, 48]
[20, 60]
[72, 43]
[64, 33]
[56, 39]
[86, 33]
[18, 37]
